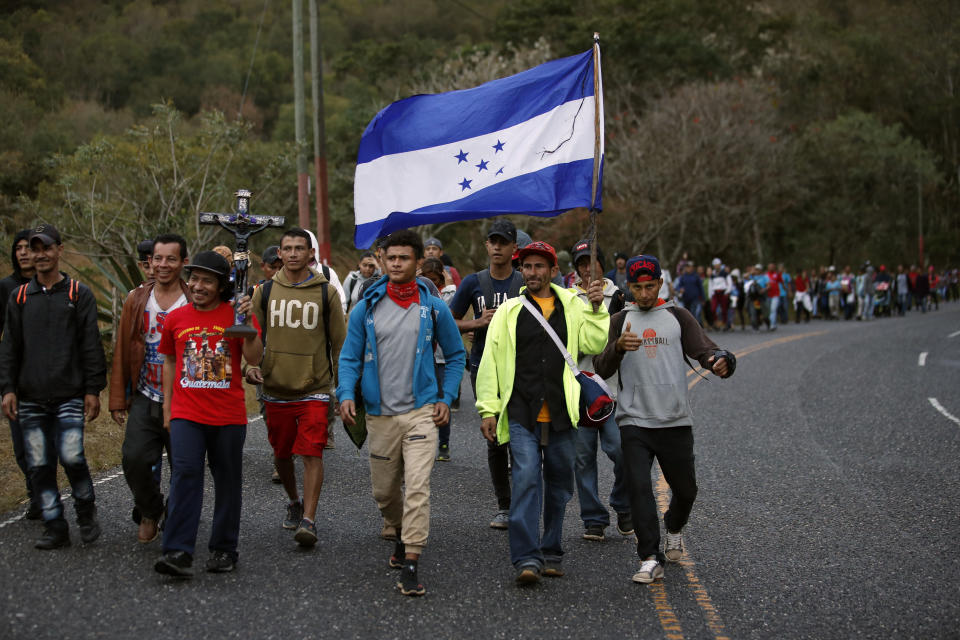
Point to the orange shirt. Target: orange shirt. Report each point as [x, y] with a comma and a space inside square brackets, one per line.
[547, 306]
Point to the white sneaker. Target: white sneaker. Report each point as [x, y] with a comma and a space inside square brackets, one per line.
[673, 548]
[650, 570]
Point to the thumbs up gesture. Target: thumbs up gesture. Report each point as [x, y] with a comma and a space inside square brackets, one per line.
[628, 341]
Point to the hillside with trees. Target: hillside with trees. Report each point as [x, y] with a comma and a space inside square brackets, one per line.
[809, 132]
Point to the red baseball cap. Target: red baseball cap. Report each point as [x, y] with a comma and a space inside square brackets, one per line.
[540, 248]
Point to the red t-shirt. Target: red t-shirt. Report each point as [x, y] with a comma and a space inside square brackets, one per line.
[775, 279]
[208, 385]
[800, 283]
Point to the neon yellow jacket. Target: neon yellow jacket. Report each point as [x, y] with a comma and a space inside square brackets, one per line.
[586, 333]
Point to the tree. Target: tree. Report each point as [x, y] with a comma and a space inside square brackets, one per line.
[704, 168]
[118, 190]
[862, 178]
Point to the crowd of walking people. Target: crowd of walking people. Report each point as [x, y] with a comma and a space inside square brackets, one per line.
[722, 298]
[387, 348]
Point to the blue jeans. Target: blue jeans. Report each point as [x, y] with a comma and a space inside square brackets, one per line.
[592, 510]
[16, 435]
[542, 482]
[51, 431]
[774, 306]
[222, 446]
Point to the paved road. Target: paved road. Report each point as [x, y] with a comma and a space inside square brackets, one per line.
[828, 508]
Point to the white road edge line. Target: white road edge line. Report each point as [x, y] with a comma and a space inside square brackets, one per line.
[112, 476]
[954, 334]
[939, 407]
[922, 360]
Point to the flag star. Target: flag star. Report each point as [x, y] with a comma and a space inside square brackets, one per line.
[498, 147]
[482, 166]
[465, 184]
[461, 157]
[499, 171]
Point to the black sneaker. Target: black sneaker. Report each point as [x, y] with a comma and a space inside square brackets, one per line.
[443, 453]
[625, 524]
[306, 535]
[408, 583]
[552, 569]
[294, 515]
[593, 532]
[89, 526]
[56, 534]
[528, 574]
[221, 562]
[397, 559]
[178, 564]
[34, 512]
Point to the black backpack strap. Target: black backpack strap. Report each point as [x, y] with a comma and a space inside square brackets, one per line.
[326, 321]
[486, 289]
[516, 281]
[264, 298]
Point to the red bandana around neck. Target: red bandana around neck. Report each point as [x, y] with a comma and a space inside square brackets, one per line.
[403, 294]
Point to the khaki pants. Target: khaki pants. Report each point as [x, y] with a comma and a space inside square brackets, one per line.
[402, 451]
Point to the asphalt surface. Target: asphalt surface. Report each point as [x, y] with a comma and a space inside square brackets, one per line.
[828, 508]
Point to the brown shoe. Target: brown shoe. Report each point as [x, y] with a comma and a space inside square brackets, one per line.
[148, 531]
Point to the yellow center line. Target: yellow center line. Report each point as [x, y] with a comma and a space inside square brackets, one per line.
[668, 617]
[711, 617]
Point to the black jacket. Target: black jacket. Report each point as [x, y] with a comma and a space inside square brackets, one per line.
[51, 349]
[15, 279]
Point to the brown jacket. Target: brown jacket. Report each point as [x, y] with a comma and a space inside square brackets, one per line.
[129, 347]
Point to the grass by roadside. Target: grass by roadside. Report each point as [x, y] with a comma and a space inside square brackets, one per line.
[101, 441]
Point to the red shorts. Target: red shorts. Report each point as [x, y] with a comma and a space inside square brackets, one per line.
[297, 428]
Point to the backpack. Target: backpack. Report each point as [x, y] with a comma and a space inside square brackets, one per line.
[485, 282]
[73, 292]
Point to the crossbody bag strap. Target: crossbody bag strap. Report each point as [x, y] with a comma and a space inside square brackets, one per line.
[553, 334]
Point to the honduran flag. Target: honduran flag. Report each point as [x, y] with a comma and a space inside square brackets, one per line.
[518, 145]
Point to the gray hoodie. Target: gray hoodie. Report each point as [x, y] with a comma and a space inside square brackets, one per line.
[652, 388]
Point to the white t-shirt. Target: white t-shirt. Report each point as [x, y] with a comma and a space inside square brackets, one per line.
[150, 383]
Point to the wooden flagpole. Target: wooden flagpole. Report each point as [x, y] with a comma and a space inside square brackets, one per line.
[598, 106]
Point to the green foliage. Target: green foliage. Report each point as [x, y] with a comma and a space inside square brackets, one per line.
[863, 179]
[861, 87]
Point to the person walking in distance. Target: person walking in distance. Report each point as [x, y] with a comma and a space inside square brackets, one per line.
[138, 367]
[484, 292]
[51, 395]
[593, 512]
[389, 349]
[21, 257]
[303, 327]
[648, 346]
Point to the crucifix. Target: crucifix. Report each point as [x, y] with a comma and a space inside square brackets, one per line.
[242, 225]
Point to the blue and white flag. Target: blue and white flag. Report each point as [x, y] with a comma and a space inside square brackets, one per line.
[518, 145]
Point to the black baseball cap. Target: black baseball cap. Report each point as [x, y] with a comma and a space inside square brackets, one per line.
[46, 233]
[643, 268]
[582, 249]
[144, 249]
[503, 228]
[271, 254]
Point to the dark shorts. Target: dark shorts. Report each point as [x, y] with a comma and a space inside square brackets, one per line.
[297, 428]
